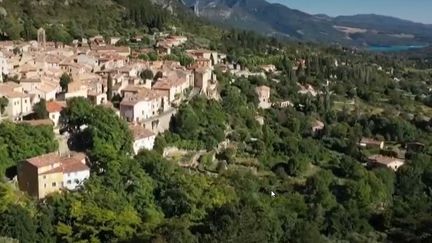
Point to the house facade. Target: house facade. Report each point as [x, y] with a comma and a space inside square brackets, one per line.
[54, 109]
[19, 103]
[143, 138]
[42, 175]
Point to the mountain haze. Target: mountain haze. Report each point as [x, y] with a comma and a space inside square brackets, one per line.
[280, 20]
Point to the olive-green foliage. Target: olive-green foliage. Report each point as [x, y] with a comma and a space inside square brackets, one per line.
[201, 120]
[65, 79]
[3, 104]
[79, 18]
[40, 110]
[19, 142]
[96, 125]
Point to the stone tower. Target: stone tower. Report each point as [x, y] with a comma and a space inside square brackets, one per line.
[41, 37]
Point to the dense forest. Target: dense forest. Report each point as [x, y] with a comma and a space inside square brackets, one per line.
[277, 181]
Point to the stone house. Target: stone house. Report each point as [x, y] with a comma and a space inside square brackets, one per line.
[41, 175]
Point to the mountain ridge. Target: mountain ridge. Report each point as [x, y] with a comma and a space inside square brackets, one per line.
[278, 19]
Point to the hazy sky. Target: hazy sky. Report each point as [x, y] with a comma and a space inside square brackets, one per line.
[416, 10]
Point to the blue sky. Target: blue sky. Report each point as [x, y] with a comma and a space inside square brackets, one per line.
[416, 10]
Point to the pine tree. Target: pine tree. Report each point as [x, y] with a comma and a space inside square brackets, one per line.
[109, 87]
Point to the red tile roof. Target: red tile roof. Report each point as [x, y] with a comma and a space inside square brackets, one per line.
[54, 107]
[72, 163]
[44, 160]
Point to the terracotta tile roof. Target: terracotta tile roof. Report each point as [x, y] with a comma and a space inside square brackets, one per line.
[166, 84]
[6, 91]
[44, 160]
[384, 160]
[54, 106]
[46, 87]
[142, 94]
[140, 132]
[73, 163]
[12, 84]
[31, 80]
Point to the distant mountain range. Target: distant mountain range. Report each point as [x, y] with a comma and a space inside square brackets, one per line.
[279, 20]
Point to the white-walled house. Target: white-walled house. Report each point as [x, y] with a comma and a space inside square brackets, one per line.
[19, 103]
[48, 173]
[143, 105]
[54, 108]
[173, 87]
[89, 60]
[135, 110]
[73, 176]
[263, 93]
[143, 138]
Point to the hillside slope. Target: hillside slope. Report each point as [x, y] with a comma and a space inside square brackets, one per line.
[68, 19]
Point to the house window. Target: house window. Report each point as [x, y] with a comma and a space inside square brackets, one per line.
[69, 182]
[44, 177]
[54, 184]
[45, 185]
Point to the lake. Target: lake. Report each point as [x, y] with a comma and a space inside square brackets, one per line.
[394, 48]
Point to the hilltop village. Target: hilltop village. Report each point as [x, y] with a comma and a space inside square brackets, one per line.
[148, 92]
[165, 135]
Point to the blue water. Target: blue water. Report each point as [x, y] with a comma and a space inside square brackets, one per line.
[394, 48]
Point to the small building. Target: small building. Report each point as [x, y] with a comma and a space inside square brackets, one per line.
[385, 161]
[143, 138]
[173, 87]
[284, 104]
[263, 93]
[268, 68]
[142, 105]
[97, 98]
[19, 103]
[114, 40]
[41, 175]
[317, 127]
[371, 143]
[54, 109]
[41, 37]
[202, 77]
